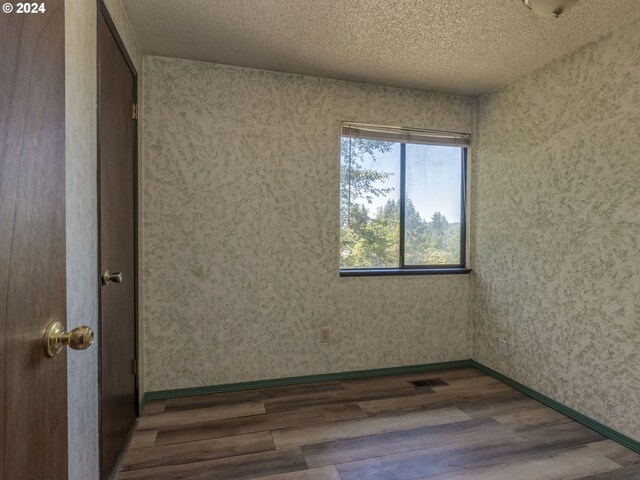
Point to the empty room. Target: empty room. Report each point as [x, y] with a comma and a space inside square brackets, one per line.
[320, 240]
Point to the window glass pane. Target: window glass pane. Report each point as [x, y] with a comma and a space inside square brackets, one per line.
[433, 205]
[369, 203]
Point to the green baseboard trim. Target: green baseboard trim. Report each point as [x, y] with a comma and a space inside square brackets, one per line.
[281, 382]
[569, 412]
[379, 372]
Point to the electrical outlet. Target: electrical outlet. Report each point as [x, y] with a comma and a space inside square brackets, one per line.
[504, 347]
[325, 335]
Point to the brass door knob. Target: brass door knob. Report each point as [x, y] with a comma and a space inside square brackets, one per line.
[55, 338]
[108, 277]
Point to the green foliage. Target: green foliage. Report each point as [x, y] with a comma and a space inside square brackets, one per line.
[373, 240]
[356, 181]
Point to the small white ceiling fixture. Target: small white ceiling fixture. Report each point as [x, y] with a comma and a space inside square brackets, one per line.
[548, 8]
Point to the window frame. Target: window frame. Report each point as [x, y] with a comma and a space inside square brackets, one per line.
[434, 269]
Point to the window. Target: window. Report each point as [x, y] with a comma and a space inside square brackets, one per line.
[402, 201]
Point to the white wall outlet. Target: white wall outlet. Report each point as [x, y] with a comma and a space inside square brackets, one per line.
[325, 335]
[503, 347]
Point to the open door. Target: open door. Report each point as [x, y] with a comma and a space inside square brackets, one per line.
[117, 213]
[33, 386]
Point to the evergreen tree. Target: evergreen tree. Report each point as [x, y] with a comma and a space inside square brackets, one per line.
[356, 181]
[416, 231]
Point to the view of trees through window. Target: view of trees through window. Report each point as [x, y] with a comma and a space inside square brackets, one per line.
[371, 198]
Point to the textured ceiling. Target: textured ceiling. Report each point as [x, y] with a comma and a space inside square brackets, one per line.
[467, 47]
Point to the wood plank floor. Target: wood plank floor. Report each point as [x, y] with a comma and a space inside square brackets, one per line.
[462, 425]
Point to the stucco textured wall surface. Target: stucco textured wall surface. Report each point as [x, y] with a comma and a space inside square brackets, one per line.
[556, 230]
[81, 94]
[82, 232]
[241, 231]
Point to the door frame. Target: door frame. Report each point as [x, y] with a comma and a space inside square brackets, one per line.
[103, 12]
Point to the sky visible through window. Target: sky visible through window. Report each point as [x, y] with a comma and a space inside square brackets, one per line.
[433, 179]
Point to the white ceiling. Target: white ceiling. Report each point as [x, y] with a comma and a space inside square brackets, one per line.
[467, 47]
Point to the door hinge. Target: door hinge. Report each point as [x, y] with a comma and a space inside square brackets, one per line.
[134, 111]
[135, 366]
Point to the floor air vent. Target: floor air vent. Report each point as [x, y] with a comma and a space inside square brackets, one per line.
[430, 382]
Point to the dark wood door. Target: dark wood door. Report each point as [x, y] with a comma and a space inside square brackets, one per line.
[117, 172]
[33, 387]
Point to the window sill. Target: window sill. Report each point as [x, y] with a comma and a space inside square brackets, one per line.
[395, 272]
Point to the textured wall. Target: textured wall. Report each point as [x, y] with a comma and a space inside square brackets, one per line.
[82, 222]
[241, 233]
[556, 230]
[82, 231]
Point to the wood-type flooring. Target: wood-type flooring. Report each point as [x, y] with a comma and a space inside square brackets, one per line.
[462, 425]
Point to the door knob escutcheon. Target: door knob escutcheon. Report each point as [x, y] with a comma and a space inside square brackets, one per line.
[55, 338]
[108, 277]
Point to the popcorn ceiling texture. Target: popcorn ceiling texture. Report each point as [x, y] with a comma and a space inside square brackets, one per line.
[241, 231]
[466, 47]
[556, 230]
